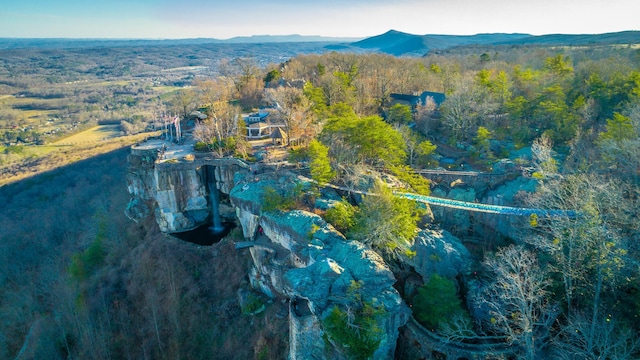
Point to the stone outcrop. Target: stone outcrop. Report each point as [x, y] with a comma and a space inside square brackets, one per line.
[177, 197]
[140, 184]
[296, 255]
[299, 256]
[181, 198]
[511, 193]
[440, 253]
[175, 191]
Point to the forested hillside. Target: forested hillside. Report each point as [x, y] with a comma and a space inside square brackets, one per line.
[81, 280]
[566, 118]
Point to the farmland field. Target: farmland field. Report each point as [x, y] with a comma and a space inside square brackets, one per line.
[38, 159]
[93, 135]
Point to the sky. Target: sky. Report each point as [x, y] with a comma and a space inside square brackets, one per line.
[175, 19]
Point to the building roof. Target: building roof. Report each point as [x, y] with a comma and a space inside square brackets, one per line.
[256, 117]
[197, 114]
[258, 125]
[278, 134]
[415, 100]
[437, 97]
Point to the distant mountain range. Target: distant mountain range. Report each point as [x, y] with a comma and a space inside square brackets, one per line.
[71, 43]
[399, 43]
[392, 42]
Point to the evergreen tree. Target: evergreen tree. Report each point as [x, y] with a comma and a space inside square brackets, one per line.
[320, 167]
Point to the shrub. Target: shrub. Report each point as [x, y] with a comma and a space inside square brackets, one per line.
[83, 264]
[297, 155]
[253, 305]
[417, 183]
[341, 216]
[273, 200]
[436, 303]
[201, 146]
[320, 166]
[356, 333]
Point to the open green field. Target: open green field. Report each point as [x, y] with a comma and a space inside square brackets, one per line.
[165, 89]
[186, 68]
[37, 159]
[39, 150]
[45, 108]
[111, 82]
[93, 135]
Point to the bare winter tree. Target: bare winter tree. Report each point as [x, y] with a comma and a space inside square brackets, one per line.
[579, 339]
[424, 118]
[518, 300]
[466, 108]
[223, 118]
[184, 102]
[589, 251]
[293, 109]
[542, 149]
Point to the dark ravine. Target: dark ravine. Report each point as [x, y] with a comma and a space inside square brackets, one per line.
[206, 235]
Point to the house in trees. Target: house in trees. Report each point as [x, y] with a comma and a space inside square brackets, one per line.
[415, 100]
[257, 123]
[260, 116]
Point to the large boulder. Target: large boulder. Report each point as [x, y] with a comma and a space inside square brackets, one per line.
[306, 260]
[440, 253]
[336, 265]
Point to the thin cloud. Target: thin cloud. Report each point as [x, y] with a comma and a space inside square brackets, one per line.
[354, 18]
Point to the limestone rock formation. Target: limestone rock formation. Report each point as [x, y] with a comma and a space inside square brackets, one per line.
[302, 257]
[440, 253]
[511, 193]
[296, 254]
[176, 193]
[181, 198]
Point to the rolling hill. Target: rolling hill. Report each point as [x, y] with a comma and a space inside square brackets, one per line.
[402, 44]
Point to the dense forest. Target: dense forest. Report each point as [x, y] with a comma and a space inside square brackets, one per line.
[80, 280]
[85, 282]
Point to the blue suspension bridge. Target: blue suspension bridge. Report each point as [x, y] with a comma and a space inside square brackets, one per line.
[465, 205]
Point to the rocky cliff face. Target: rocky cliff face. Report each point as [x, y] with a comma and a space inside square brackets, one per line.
[176, 196]
[440, 253]
[176, 192]
[181, 198]
[296, 255]
[308, 261]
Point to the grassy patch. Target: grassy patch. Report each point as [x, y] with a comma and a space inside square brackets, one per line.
[186, 68]
[165, 89]
[40, 150]
[52, 156]
[93, 135]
